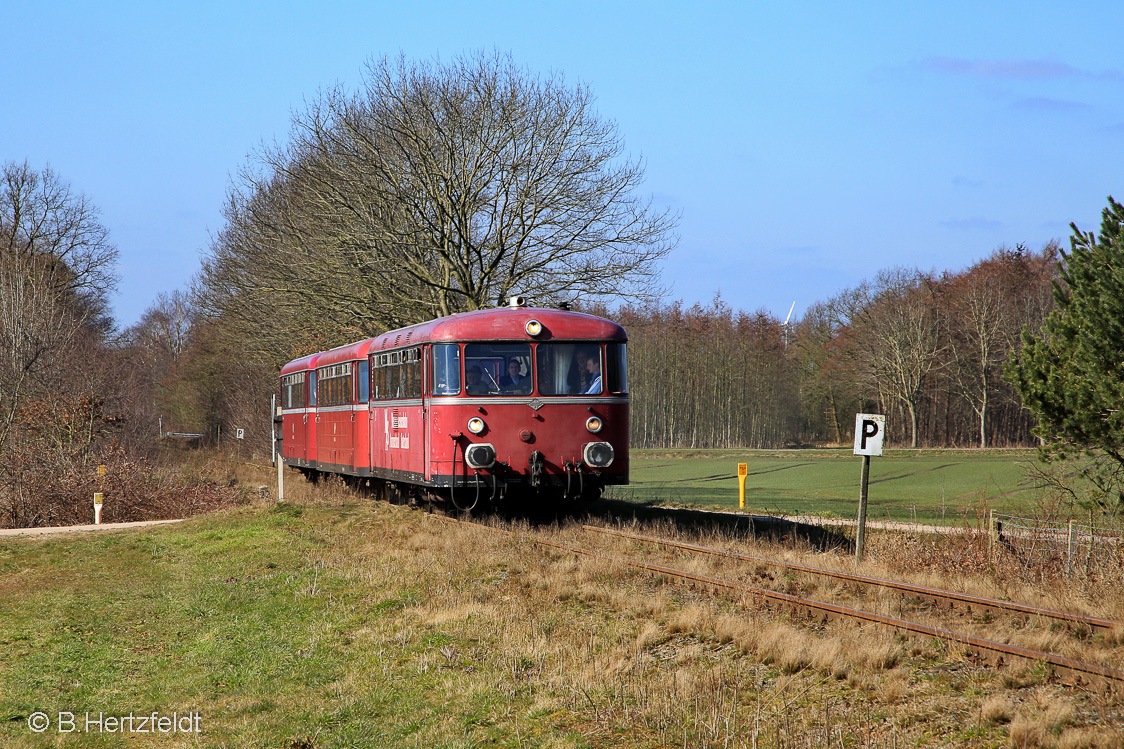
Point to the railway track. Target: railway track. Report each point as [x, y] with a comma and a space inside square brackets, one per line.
[1080, 673]
[948, 597]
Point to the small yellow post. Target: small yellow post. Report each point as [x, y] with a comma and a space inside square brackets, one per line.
[743, 471]
[98, 496]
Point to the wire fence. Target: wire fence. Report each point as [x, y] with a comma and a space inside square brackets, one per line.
[1072, 546]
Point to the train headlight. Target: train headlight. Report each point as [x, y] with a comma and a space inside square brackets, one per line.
[481, 455]
[533, 327]
[598, 454]
[594, 424]
[476, 425]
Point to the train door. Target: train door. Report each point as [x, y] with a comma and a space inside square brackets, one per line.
[312, 420]
[361, 415]
[294, 415]
[427, 438]
[377, 434]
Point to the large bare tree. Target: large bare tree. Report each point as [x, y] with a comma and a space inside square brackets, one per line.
[56, 265]
[436, 189]
[900, 341]
[988, 306]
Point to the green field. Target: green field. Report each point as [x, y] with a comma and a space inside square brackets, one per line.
[941, 486]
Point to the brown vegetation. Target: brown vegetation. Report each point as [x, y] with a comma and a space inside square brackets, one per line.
[623, 658]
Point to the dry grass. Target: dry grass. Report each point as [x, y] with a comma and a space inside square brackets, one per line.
[628, 658]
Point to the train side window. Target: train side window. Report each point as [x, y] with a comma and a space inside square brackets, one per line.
[616, 368]
[335, 384]
[411, 378]
[364, 382]
[446, 369]
[312, 389]
[292, 391]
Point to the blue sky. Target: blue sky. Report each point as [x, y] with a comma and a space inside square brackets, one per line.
[808, 145]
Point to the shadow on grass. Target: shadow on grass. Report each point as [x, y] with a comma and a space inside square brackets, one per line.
[735, 525]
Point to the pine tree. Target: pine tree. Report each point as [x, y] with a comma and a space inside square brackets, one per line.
[1071, 377]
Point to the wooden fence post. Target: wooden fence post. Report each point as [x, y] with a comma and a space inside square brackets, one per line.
[1072, 547]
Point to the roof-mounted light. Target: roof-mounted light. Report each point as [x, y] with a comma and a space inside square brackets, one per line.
[533, 327]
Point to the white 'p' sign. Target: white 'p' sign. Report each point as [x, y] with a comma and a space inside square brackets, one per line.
[869, 430]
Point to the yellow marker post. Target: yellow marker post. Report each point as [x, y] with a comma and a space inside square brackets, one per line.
[743, 471]
[98, 496]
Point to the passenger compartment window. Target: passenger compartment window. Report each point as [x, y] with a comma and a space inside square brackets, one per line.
[292, 391]
[570, 369]
[497, 369]
[396, 375]
[334, 385]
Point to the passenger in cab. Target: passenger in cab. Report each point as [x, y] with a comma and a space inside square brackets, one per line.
[514, 381]
[593, 368]
[472, 384]
[579, 379]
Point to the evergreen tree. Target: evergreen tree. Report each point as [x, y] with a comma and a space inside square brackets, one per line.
[1071, 377]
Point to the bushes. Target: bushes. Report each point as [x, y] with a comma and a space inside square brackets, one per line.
[48, 494]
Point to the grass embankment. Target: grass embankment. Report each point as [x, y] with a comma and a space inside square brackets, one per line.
[932, 486]
[344, 622]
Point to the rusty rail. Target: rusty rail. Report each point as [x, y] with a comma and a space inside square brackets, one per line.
[1082, 672]
[935, 594]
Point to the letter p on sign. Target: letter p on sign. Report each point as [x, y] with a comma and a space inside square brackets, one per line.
[869, 430]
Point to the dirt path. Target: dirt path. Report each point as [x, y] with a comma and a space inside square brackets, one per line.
[81, 528]
[888, 525]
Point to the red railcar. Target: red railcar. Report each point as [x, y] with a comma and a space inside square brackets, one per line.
[479, 405]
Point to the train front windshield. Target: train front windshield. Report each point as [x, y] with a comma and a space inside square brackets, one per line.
[489, 369]
[580, 369]
[506, 369]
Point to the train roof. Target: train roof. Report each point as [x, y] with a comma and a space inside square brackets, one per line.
[505, 324]
[297, 365]
[496, 324]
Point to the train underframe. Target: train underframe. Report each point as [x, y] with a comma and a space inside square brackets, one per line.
[472, 491]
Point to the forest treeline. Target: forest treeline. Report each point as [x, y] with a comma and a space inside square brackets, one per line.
[926, 349]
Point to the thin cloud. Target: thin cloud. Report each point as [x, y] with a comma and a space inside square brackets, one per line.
[975, 223]
[1046, 104]
[1015, 69]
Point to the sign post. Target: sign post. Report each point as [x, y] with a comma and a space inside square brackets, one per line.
[99, 495]
[743, 470]
[869, 431]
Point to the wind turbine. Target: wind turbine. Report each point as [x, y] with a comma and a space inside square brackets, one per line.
[785, 326]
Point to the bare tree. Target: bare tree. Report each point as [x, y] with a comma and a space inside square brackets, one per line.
[437, 189]
[41, 218]
[989, 305]
[56, 264]
[901, 339]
